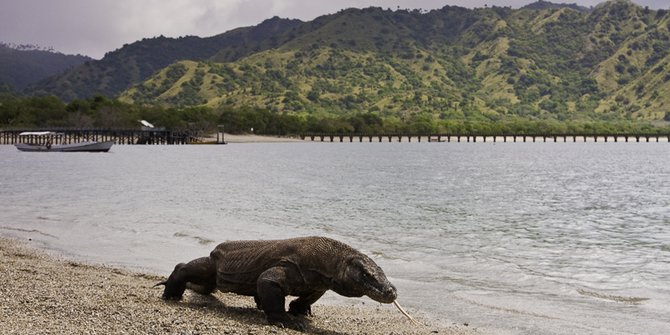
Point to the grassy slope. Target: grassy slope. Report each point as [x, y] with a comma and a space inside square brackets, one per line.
[551, 63]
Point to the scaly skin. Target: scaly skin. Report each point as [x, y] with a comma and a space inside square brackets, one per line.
[304, 267]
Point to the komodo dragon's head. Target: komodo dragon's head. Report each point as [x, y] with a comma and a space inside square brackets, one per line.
[362, 276]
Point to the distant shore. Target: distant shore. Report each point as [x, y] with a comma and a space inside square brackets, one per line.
[44, 295]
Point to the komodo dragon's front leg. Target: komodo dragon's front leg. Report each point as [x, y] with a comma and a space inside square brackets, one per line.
[303, 305]
[273, 285]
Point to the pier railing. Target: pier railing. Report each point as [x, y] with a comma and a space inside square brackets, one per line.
[120, 136]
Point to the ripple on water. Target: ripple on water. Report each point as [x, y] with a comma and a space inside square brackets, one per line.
[611, 297]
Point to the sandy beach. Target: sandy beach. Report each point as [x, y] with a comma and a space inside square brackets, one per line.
[250, 138]
[42, 294]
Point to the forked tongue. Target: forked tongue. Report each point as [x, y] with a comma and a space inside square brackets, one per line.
[402, 310]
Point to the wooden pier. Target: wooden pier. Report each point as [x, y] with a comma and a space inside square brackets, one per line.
[168, 137]
[494, 138]
[119, 136]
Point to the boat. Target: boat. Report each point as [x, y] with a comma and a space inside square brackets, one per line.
[47, 141]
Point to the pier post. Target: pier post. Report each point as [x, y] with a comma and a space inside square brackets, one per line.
[220, 134]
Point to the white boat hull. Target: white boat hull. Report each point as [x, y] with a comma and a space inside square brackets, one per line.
[74, 147]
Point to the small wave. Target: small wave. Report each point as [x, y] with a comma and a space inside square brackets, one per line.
[28, 231]
[201, 240]
[46, 218]
[377, 254]
[506, 309]
[615, 298]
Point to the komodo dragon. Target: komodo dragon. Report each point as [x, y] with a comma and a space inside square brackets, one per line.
[304, 267]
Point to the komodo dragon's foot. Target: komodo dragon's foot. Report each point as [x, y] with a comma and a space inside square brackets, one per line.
[171, 292]
[284, 320]
[299, 309]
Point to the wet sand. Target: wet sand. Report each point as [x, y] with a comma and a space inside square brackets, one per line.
[42, 294]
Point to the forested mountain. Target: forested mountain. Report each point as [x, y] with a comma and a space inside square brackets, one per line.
[543, 61]
[133, 63]
[21, 66]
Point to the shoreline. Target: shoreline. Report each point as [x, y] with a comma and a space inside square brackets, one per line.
[48, 295]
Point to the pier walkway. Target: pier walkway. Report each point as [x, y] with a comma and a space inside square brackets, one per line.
[486, 138]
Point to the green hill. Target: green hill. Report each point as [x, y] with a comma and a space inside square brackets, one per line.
[544, 61]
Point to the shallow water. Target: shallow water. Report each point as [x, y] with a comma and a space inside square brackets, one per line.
[555, 238]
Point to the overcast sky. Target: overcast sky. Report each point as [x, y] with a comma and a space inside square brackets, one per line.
[93, 27]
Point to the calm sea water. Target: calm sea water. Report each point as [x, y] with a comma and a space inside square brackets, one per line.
[555, 238]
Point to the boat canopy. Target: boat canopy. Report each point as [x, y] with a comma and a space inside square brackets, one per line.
[38, 133]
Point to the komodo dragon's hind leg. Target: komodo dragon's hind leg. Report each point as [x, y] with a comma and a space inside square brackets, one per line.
[198, 275]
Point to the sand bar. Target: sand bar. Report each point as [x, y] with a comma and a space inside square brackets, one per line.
[41, 294]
